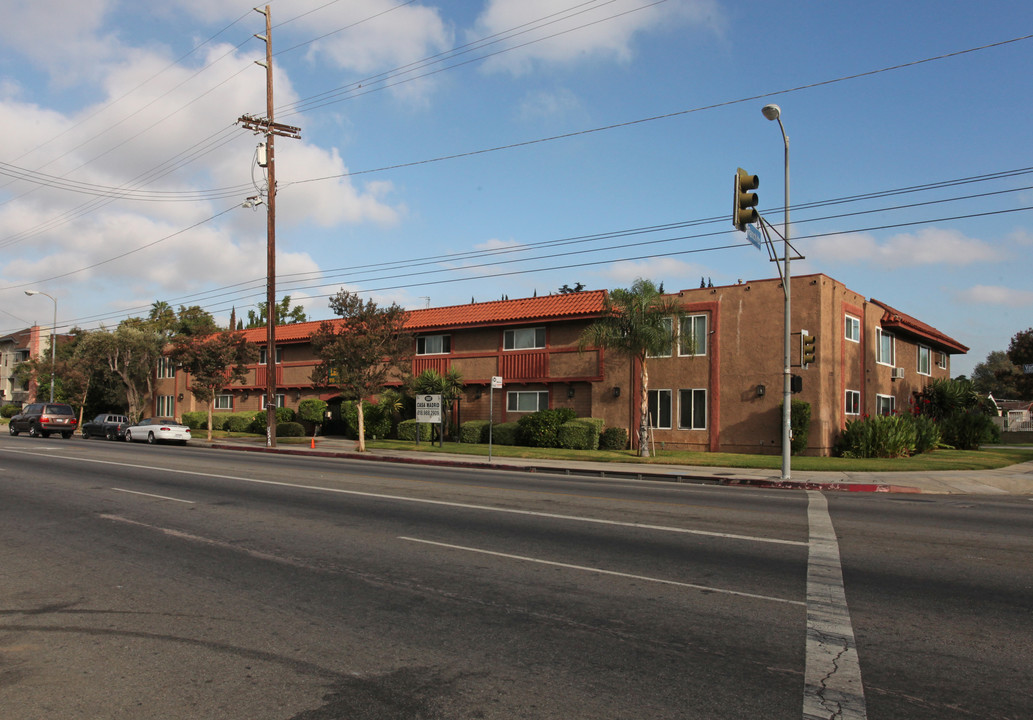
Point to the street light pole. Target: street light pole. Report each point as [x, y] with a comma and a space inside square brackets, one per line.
[774, 112]
[53, 340]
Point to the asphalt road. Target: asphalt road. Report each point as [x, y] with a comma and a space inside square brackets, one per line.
[170, 582]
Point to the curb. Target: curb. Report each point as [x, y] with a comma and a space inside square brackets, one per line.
[677, 477]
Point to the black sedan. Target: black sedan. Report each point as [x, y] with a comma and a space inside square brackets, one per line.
[106, 425]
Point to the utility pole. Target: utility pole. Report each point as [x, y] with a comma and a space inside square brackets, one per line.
[270, 129]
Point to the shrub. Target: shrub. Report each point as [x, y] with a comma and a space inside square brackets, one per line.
[238, 423]
[541, 429]
[800, 422]
[290, 429]
[505, 434]
[927, 433]
[312, 410]
[196, 419]
[8, 411]
[967, 429]
[878, 436]
[581, 434]
[473, 432]
[613, 438]
[407, 430]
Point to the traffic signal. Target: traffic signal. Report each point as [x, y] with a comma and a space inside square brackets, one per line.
[795, 384]
[743, 210]
[807, 348]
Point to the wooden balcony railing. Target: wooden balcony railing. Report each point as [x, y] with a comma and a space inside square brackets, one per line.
[524, 366]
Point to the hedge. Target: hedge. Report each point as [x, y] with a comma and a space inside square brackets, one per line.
[290, 429]
[505, 434]
[581, 434]
[613, 438]
[473, 432]
[407, 430]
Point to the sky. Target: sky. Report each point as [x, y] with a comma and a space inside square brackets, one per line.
[466, 150]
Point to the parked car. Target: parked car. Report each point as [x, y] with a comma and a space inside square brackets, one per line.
[106, 425]
[41, 419]
[159, 429]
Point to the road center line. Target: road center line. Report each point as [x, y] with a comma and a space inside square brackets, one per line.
[585, 568]
[160, 497]
[446, 503]
[832, 676]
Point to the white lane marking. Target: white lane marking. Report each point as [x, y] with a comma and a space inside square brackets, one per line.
[600, 571]
[832, 676]
[465, 506]
[160, 497]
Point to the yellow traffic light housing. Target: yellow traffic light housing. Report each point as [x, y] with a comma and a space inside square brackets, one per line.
[807, 348]
[743, 209]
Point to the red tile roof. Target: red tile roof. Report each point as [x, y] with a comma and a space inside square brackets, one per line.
[892, 318]
[586, 304]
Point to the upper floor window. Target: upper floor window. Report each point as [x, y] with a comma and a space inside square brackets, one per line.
[668, 327]
[884, 352]
[263, 356]
[434, 345]
[853, 328]
[524, 338]
[925, 360]
[693, 336]
[166, 368]
[941, 361]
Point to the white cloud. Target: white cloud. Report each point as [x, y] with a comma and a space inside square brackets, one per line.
[996, 295]
[673, 273]
[931, 246]
[579, 30]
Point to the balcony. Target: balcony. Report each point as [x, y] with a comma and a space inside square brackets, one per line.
[524, 366]
[438, 363]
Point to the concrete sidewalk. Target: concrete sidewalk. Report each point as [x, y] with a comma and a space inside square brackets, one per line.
[1013, 480]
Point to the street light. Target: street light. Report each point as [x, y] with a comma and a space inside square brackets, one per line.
[53, 340]
[774, 112]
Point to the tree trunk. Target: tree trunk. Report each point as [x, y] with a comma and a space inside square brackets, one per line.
[643, 428]
[211, 404]
[362, 427]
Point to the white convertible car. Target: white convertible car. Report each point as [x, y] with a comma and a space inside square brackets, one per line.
[155, 430]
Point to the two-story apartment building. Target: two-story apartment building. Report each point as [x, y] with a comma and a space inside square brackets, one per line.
[718, 388]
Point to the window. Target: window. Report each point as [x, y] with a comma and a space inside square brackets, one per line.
[280, 400]
[925, 360]
[223, 402]
[692, 409]
[524, 339]
[166, 406]
[884, 353]
[693, 337]
[527, 400]
[885, 404]
[660, 409]
[668, 324]
[853, 402]
[941, 361]
[263, 356]
[853, 329]
[166, 369]
[434, 345]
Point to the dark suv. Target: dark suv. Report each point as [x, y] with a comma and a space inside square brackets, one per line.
[41, 419]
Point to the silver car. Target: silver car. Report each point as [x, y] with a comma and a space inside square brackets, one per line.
[155, 430]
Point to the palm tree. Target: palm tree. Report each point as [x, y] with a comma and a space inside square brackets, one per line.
[634, 325]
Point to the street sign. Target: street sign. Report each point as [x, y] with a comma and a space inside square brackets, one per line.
[754, 236]
[496, 382]
[428, 408]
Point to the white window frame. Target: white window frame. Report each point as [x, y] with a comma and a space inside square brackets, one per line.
[434, 345]
[669, 328]
[655, 404]
[698, 334]
[925, 358]
[696, 420]
[281, 400]
[518, 338]
[166, 368]
[885, 404]
[165, 406]
[526, 398]
[852, 328]
[263, 356]
[880, 337]
[941, 361]
[223, 402]
[852, 402]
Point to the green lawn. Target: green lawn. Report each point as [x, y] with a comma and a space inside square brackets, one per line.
[985, 459]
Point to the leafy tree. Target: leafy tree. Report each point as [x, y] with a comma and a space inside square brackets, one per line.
[364, 351]
[997, 375]
[633, 324]
[1020, 352]
[285, 314]
[214, 362]
[566, 289]
[131, 352]
[312, 410]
